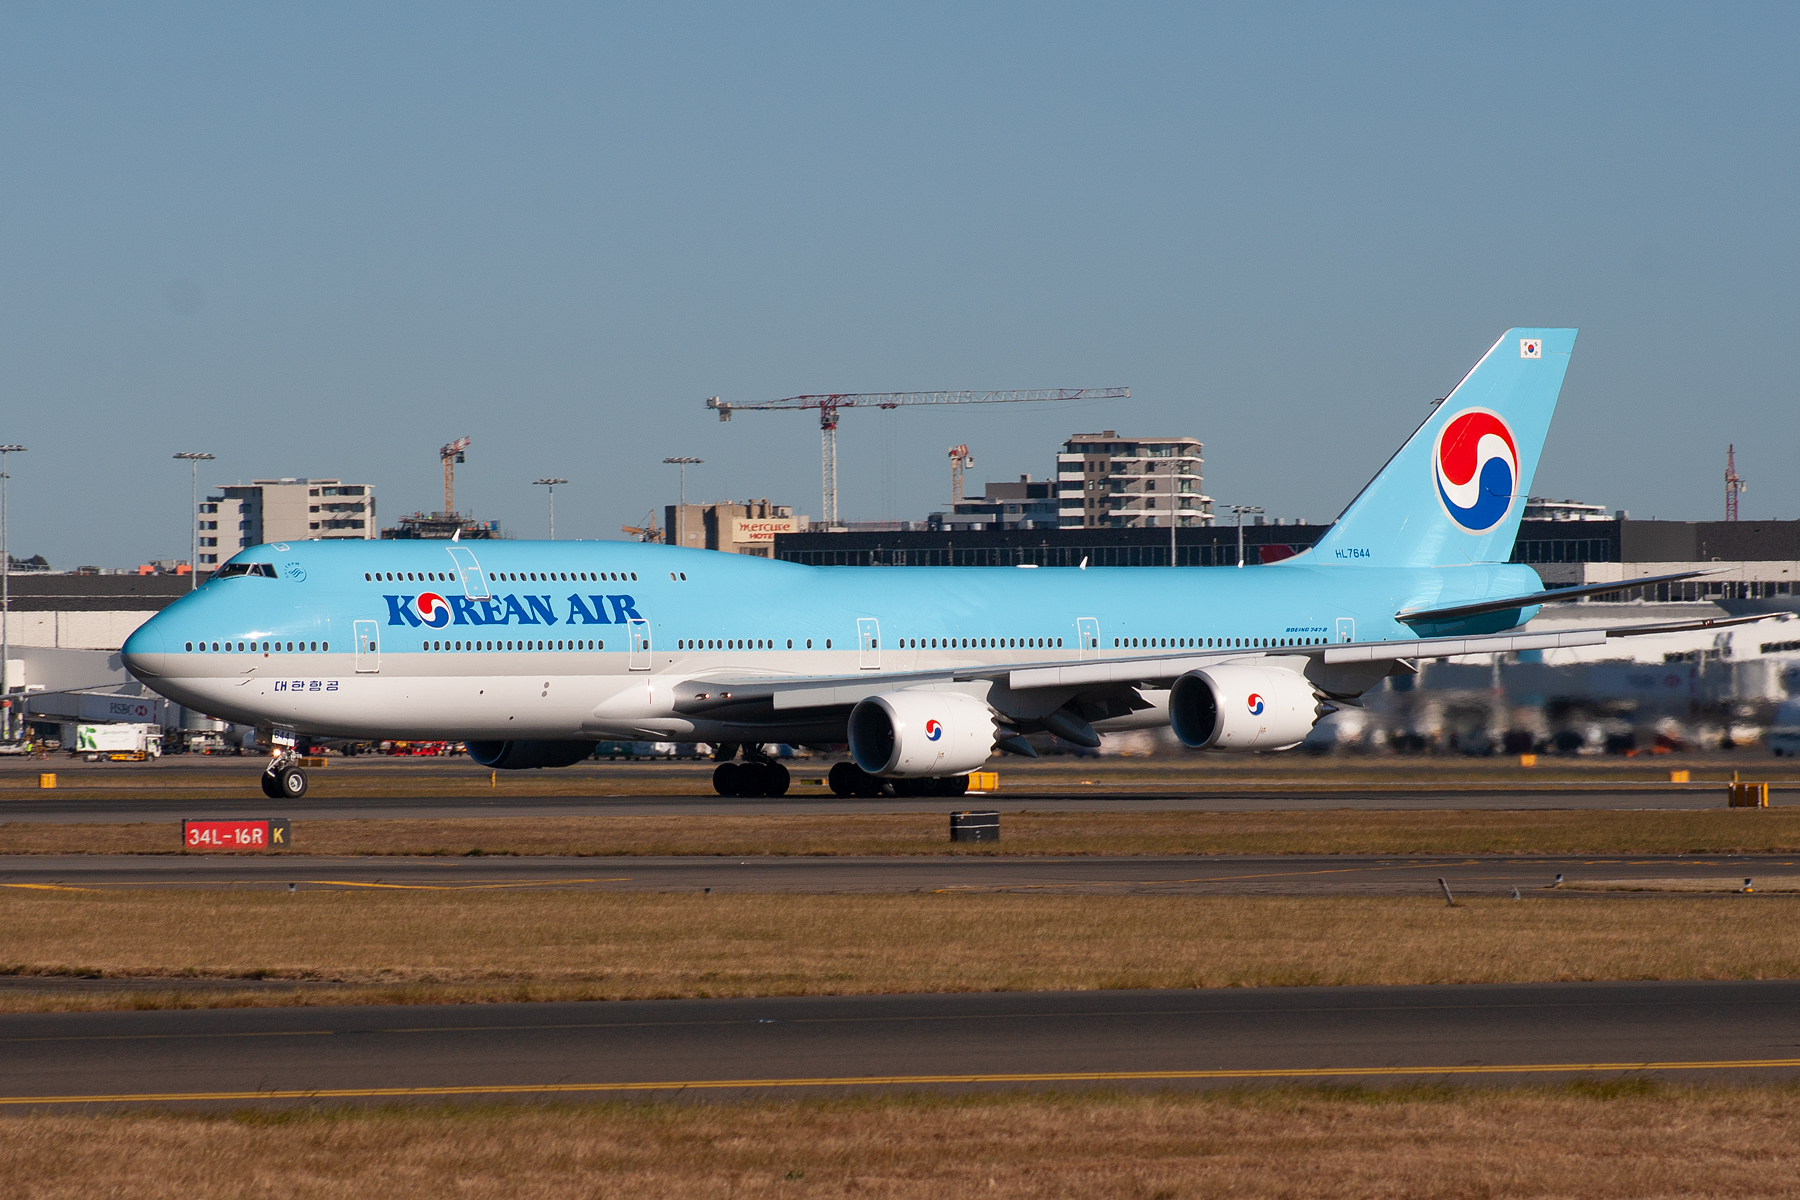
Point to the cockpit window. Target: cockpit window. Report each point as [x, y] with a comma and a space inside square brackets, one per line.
[230, 570]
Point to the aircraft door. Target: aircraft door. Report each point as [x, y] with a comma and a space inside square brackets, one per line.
[1346, 629]
[868, 643]
[368, 647]
[1087, 629]
[640, 644]
[474, 579]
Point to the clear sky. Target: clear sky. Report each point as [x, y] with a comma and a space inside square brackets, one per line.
[323, 240]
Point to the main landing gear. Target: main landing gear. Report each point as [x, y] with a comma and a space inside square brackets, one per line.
[752, 777]
[284, 779]
[848, 779]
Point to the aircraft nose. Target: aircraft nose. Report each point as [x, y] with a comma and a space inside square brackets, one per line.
[144, 649]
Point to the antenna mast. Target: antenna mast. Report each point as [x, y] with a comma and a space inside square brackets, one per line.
[1734, 483]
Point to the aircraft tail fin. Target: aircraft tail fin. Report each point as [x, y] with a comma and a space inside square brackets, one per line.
[1454, 492]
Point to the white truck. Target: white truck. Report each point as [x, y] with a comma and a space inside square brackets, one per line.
[120, 742]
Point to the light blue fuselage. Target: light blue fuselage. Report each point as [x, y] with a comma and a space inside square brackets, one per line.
[550, 652]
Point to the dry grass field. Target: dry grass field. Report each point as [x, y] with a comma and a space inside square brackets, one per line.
[1340, 831]
[430, 946]
[1598, 1142]
[1181, 773]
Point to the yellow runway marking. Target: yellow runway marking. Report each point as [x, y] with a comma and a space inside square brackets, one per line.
[1021, 887]
[46, 887]
[904, 1080]
[462, 887]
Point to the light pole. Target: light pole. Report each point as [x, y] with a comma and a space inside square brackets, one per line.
[551, 484]
[194, 459]
[1174, 471]
[1240, 510]
[681, 509]
[5, 598]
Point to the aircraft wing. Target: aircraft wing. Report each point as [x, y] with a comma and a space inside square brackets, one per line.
[712, 694]
[1547, 596]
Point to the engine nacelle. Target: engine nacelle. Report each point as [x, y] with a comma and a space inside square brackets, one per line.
[916, 734]
[1240, 707]
[521, 756]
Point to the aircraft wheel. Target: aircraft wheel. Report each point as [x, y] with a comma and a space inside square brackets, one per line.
[843, 778]
[293, 783]
[727, 778]
[869, 785]
[774, 780]
[953, 785]
[271, 785]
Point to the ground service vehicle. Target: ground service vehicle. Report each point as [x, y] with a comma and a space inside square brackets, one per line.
[120, 742]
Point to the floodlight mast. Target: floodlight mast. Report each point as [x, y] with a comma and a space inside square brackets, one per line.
[551, 484]
[828, 407]
[6, 714]
[684, 462]
[194, 458]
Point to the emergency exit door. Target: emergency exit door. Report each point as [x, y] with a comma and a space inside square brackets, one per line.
[640, 644]
[368, 647]
[1087, 629]
[868, 643]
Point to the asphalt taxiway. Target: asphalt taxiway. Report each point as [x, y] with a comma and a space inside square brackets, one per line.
[1283, 875]
[725, 1049]
[49, 808]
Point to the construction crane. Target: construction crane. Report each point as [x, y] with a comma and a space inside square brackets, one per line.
[829, 406]
[1734, 483]
[647, 532]
[960, 461]
[451, 455]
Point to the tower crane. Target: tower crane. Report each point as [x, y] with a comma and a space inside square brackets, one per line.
[828, 407]
[647, 532]
[960, 461]
[451, 454]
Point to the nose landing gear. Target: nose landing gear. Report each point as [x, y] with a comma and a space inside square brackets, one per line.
[284, 779]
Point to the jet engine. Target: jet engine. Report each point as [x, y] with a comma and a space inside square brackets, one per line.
[1240, 707]
[520, 756]
[912, 734]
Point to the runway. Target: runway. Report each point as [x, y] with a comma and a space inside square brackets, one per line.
[724, 1049]
[34, 807]
[1279, 875]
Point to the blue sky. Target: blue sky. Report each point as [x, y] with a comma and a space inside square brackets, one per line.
[323, 240]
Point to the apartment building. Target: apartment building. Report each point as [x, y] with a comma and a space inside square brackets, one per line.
[1106, 481]
[281, 510]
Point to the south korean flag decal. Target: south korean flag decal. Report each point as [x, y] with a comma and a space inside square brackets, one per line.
[1530, 348]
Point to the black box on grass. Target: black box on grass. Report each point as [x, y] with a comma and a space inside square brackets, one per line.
[975, 826]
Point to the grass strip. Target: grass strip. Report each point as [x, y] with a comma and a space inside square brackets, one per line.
[1184, 773]
[1600, 1141]
[437, 947]
[1336, 831]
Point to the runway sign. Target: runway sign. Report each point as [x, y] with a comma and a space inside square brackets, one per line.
[270, 834]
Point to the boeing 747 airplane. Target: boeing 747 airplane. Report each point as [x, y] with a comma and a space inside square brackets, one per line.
[532, 652]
